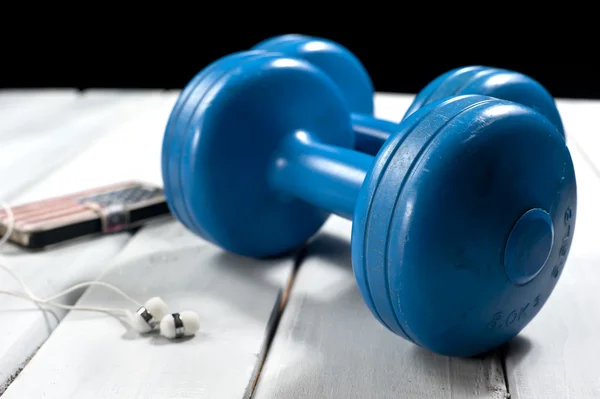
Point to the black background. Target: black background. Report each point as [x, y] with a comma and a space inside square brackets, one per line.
[169, 60]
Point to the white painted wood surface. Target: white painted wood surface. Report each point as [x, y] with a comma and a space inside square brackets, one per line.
[558, 354]
[580, 118]
[128, 149]
[80, 130]
[327, 344]
[236, 298]
[92, 356]
[34, 150]
[23, 326]
[19, 107]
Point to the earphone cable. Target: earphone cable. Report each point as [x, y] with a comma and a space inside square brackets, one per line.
[27, 294]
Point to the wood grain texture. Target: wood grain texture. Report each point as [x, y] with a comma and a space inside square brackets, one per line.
[18, 107]
[328, 345]
[34, 150]
[582, 126]
[92, 356]
[557, 354]
[129, 149]
[24, 327]
[10, 97]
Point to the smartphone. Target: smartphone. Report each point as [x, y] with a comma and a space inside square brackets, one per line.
[102, 210]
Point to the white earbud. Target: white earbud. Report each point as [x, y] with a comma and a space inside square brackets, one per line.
[149, 315]
[179, 325]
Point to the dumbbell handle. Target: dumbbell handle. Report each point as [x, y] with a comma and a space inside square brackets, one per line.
[370, 133]
[323, 175]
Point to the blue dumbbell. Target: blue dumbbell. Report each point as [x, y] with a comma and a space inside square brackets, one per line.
[462, 222]
[349, 74]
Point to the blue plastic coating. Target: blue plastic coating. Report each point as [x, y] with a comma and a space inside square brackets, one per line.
[350, 75]
[235, 103]
[325, 176]
[371, 133]
[343, 67]
[492, 82]
[529, 246]
[451, 219]
[177, 126]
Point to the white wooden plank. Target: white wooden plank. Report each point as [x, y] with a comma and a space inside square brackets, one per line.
[328, 345]
[91, 355]
[129, 150]
[21, 97]
[46, 113]
[557, 355]
[32, 154]
[582, 126]
[10, 96]
[23, 327]
[19, 107]
[391, 106]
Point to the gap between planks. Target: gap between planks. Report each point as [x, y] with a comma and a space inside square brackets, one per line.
[299, 256]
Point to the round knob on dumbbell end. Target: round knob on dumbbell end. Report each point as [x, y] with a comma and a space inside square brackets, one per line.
[451, 245]
[349, 74]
